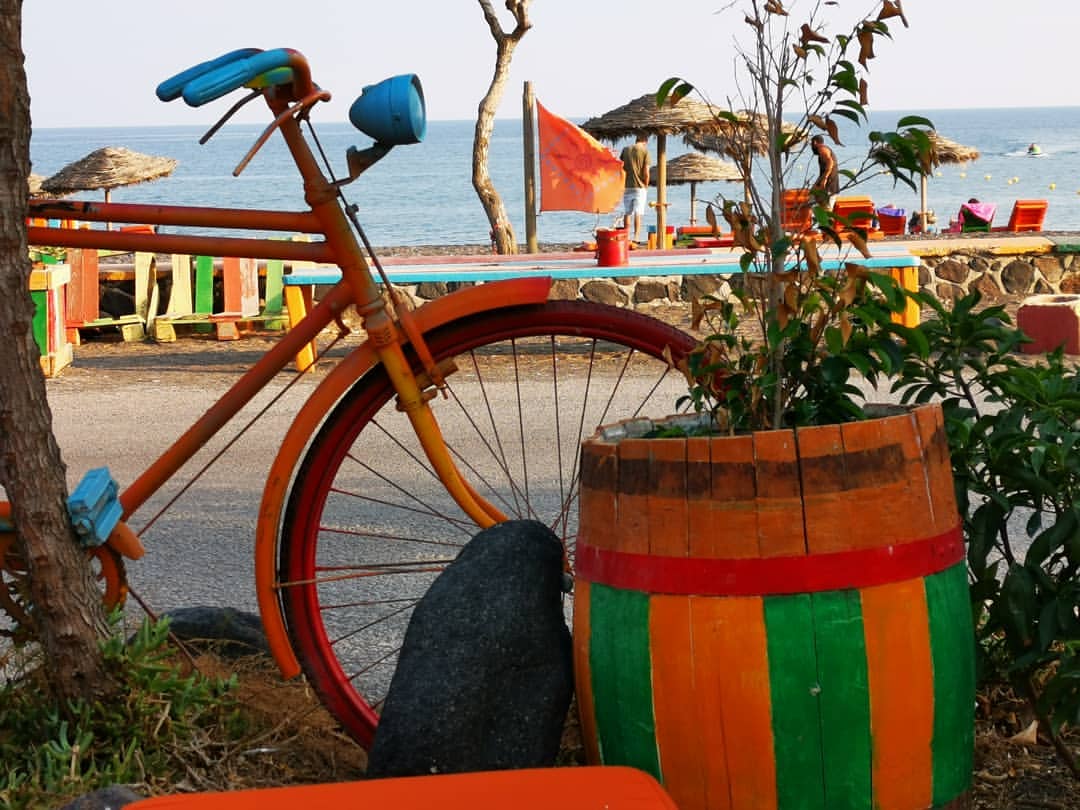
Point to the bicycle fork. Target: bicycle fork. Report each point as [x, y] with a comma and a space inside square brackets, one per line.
[413, 401]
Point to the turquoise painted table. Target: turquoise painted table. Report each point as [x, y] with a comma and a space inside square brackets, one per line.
[300, 283]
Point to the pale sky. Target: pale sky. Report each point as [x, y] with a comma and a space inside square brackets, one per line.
[97, 63]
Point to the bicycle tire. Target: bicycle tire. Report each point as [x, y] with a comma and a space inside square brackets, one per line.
[344, 616]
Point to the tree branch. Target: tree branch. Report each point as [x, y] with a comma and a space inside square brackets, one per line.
[520, 11]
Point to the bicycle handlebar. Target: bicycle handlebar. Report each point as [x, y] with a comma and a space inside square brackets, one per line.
[173, 87]
[212, 80]
[391, 111]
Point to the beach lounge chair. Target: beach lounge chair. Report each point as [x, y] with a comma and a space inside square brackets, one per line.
[892, 221]
[798, 215]
[690, 231]
[723, 240]
[976, 217]
[855, 213]
[1027, 215]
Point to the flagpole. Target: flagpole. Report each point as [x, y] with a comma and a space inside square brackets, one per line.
[529, 140]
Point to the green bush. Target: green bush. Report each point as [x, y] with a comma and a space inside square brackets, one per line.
[1013, 427]
[803, 368]
[51, 752]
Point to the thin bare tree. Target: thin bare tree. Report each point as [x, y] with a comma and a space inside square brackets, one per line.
[502, 232]
[67, 616]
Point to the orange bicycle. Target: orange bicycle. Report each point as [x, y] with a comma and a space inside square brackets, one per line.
[453, 416]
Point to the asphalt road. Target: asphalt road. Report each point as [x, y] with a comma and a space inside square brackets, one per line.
[120, 405]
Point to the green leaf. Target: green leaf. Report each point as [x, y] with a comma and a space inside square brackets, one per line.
[1051, 540]
[1017, 608]
[914, 121]
[848, 114]
[673, 88]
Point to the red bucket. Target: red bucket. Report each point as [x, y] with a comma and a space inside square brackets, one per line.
[612, 247]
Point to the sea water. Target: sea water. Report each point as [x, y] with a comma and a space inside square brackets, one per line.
[423, 195]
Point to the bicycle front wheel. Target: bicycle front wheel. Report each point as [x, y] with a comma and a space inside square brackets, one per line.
[368, 526]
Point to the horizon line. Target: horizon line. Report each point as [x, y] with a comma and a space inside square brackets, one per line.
[473, 120]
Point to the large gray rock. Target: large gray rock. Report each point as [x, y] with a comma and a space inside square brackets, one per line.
[486, 670]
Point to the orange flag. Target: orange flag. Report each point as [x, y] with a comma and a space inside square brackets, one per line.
[576, 172]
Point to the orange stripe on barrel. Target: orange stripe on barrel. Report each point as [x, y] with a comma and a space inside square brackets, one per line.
[896, 626]
[734, 709]
[682, 750]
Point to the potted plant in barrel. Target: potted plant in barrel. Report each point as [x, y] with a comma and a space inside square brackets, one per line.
[771, 602]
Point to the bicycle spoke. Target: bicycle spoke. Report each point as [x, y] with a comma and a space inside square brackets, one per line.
[385, 536]
[419, 510]
[363, 603]
[494, 447]
[357, 630]
[370, 527]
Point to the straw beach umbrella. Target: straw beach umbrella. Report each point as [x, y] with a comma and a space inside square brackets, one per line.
[942, 151]
[642, 117]
[108, 168]
[34, 182]
[694, 168]
[741, 140]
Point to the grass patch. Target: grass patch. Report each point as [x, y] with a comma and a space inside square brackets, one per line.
[183, 724]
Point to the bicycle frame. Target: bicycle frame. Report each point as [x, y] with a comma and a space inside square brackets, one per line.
[357, 287]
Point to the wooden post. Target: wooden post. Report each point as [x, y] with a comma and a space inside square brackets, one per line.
[529, 139]
[922, 204]
[661, 191]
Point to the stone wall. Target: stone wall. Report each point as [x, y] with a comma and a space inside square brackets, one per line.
[1000, 269]
[1000, 272]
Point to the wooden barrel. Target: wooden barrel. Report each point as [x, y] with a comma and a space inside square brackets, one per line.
[778, 620]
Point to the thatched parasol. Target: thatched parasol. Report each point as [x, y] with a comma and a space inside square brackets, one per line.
[108, 168]
[741, 139]
[747, 134]
[694, 168]
[946, 151]
[34, 181]
[642, 117]
[943, 151]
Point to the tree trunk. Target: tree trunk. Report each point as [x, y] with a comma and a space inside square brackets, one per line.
[68, 614]
[502, 232]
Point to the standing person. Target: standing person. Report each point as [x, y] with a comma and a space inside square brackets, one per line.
[828, 179]
[635, 160]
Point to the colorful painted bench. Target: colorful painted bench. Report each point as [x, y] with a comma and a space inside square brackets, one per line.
[83, 304]
[240, 296]
[47, 289]
[191, 300]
